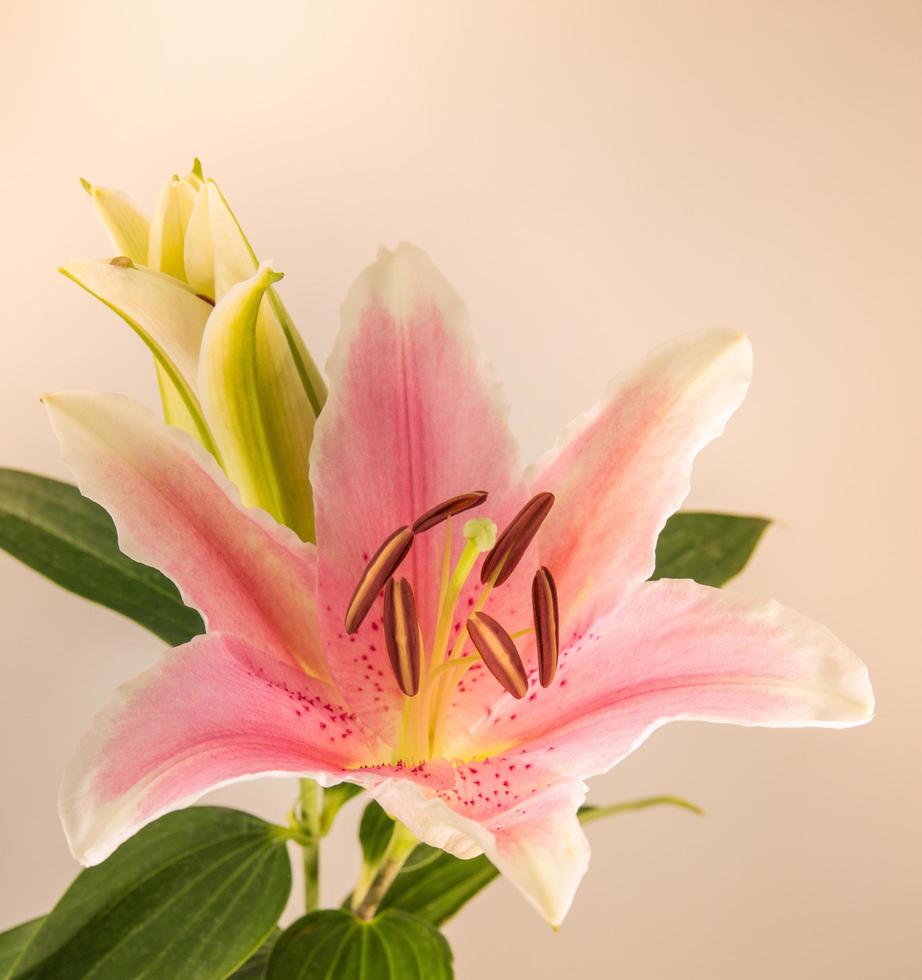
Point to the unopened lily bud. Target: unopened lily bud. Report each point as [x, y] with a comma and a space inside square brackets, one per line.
[127, 225]
[217, 253]
[248, 403]
[169, 224]
[258, 386]
[217, 256]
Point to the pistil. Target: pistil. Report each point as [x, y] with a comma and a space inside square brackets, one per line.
[469, 555]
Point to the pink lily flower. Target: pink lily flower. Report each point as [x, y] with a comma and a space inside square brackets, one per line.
[469, 725]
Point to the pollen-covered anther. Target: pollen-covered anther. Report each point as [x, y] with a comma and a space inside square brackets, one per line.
[401, 634]
[382, 566]
[547, 624]
[498, 653]
[448, 508]
[515, 539]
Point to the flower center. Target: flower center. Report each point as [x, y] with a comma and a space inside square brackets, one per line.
[428, 670]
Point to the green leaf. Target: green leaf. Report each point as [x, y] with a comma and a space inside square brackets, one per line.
[334, 943]
[436, 890]
[334, 799]
[709, 548]
[255, 966]
[14, 941]
[434, 885]
[421, 856]
[189, 897]
[51, 527]
[375, 832]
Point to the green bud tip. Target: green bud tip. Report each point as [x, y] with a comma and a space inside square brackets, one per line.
[197, 168]
[266, 275]
[87, 186]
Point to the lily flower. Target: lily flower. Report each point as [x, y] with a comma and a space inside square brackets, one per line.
[169, 274]
[471, 680]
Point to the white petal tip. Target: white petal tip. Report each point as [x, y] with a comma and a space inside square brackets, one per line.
[736, 339]
[402, 250]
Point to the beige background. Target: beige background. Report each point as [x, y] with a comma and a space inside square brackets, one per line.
[594, 177]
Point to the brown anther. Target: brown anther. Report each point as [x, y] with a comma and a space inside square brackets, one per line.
[382, 565]
[512, 544]
[401, 634]
[547, 624]
[498, 652]
[448, 508]
[122, 261]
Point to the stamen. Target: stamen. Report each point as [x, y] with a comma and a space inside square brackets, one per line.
[382, 565]
[516, 538]
[547, 624]
[498, 652]
[401, 634]
[448, 508]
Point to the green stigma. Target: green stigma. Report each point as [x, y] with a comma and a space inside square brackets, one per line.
[481, 532]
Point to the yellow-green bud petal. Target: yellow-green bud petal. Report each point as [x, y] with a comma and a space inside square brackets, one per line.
[198, 248]
[218, 256]
[168, 228]
[168, 317]
[124, 221]
[256, 405]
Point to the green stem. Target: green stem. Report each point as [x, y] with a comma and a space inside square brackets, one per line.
[311, 852]
[311, 809]
[365, 904]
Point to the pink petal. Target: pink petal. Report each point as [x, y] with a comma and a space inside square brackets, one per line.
[538, 845]
[175, 510]
[412, 419]
[625, 468]
[211, 712]
[678, 650]
[674, 650]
